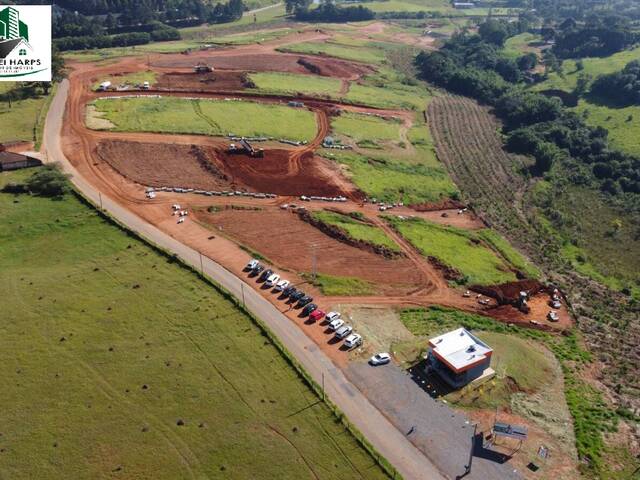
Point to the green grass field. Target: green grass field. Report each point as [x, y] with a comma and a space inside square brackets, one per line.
[208, 117]
[623, 123]
[519, 44]
[366, 128]
[358, 54]
[456, 248]
[128, 79]
[509, 253]
[392, 179]
[247, 38]
[357, 229]
[289, 83]
[107, 346]
[334, 286]
[24, 120]
[391, 96]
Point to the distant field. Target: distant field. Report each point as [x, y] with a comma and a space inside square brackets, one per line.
[358, 54]
[454, 247]
[623, 123]
[519, 44]
[356, 229]
[119, 363]
[395, 96]
[292, 83]
[208, 117]
[252, 37]
[394, 180]
[332, 285]
[366, 128]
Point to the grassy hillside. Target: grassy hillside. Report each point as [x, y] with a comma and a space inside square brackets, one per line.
[119, 363]
[456, 248]
[356, 229]
[207, 117]
[357, 54]
[289, 83]
[366, 129]
[24, 119]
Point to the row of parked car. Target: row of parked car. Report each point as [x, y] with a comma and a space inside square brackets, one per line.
[300, 300]
[208, 193]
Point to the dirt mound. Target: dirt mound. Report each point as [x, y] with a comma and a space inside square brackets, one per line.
[342, 236]
[277, 173]
[291, 244]
[444, 204]
[273, 62]
[449, 273]
[508, 293]
[157, 165]
[203, 82]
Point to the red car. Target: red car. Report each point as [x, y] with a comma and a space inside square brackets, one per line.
[316, 315]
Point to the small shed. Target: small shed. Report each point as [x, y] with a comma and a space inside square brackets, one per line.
[15, 161]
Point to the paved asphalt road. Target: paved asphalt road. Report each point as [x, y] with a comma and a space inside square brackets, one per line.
[390, 442]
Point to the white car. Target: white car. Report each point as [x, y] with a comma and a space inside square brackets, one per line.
[343, 331]
[553, 316]
[336, 324]
[284, 206]
[272, 280]
[556, 304]
[181, 220]
[252, 264]
[331, 316]
[380, 359]
[282, 284]
[353, 340]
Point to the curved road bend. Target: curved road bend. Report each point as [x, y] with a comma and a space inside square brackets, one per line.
[387, 440]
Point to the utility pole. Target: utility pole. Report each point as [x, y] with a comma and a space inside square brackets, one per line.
[467, 467]
[314, 262]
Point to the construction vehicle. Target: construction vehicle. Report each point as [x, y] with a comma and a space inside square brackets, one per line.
[202, 68]
[247, 148]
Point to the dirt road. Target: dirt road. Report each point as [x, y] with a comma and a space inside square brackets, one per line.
[388, 440]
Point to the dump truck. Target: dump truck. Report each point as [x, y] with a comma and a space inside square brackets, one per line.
[245, 147]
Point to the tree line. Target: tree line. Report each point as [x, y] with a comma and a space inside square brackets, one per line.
[621, 88]
[327, 11]
[474, 65]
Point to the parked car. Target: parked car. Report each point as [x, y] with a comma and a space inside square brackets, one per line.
[343, 331]
[553, 316]
[316, 315]
[311, 307]
[294, 297]
[281, 285]
[353, 340]
[252, 264]
[272, 280]
[266, 274]
[256, 270]
[336, 324]
[331, 316]
[556, 304]
[290, 290]
[304, 301]
[380, 359]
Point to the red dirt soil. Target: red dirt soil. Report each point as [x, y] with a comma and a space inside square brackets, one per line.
[289, 242]
[202, 82]
[269, 62]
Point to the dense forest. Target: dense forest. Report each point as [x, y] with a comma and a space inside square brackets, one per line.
[475, 65]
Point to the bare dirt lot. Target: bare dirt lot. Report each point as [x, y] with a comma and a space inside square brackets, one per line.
[202, 82]
[289, 242]
[271, 62]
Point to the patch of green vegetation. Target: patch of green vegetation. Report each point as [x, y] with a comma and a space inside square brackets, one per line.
[510, 254]
[137, 78]
[407, 6]
[391, 96]
[289, 83]
[24, 120]
[335, 286]
[366, 128]
[456, 248]
[247, 38]
[623, 123]
[99, 54]
[267, 17]
[598, 239]
[392, 180]
[593, 66]
[592, 417]
[116, 358]
[208, 117]
[520, 44]
[357, 229]
[357, 54]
